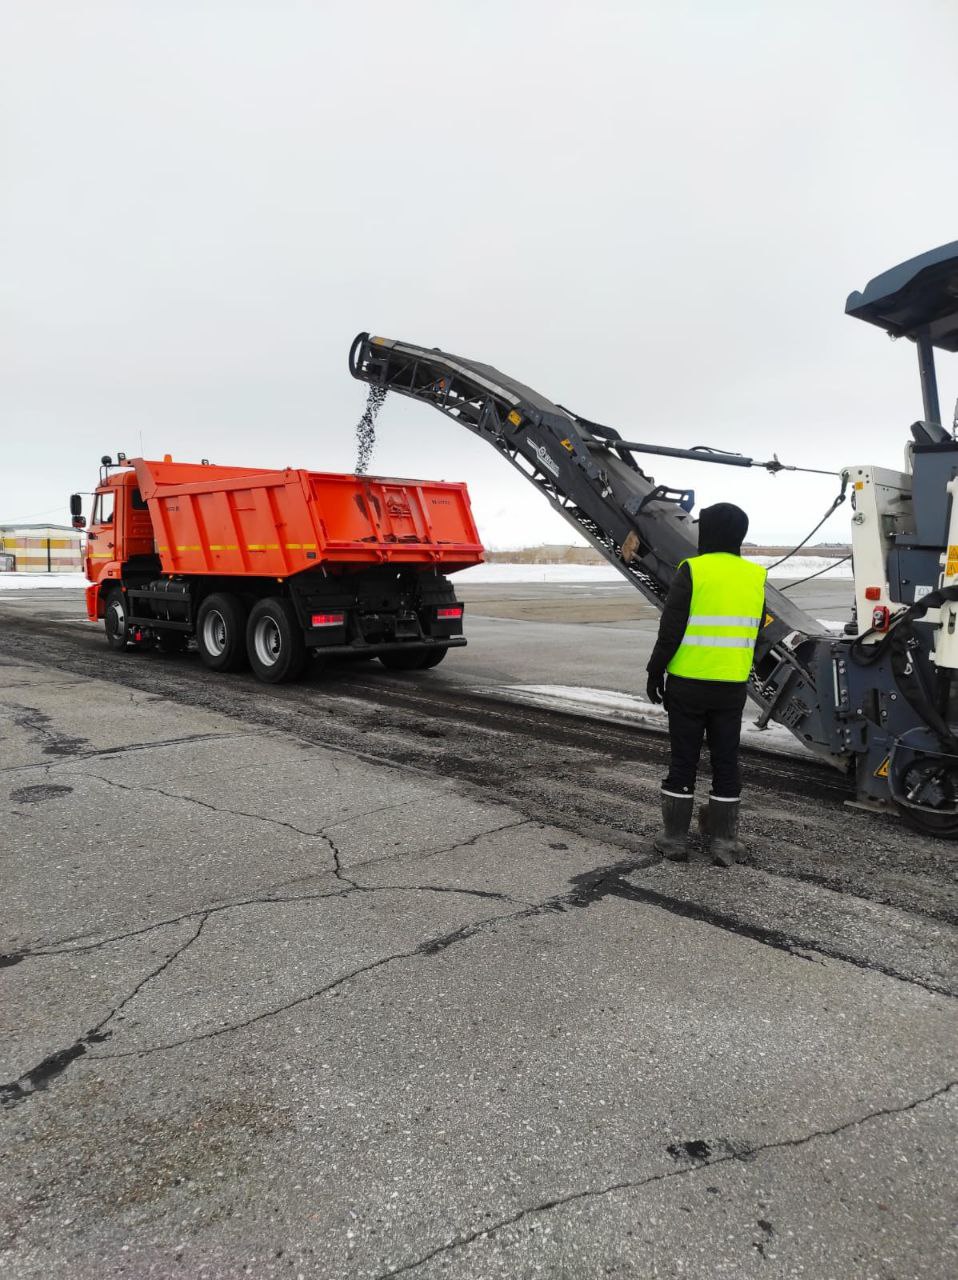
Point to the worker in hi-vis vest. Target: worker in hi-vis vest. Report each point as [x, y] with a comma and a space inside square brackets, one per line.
[699, 668]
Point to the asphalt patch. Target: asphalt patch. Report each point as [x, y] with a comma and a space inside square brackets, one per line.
[37, 794]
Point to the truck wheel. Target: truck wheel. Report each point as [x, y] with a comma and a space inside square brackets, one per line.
[433, 657]
[114, 620]
[399, 661]
[274, 641]
[221, 632]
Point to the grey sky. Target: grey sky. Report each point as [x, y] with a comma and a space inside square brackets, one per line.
[651, 212]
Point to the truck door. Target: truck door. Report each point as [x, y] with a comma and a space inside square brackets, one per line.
[136, 527]
[101, 537]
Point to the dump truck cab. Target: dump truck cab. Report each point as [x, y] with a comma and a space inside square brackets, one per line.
[119, 534]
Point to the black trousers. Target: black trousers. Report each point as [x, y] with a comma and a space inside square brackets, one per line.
[704, 709]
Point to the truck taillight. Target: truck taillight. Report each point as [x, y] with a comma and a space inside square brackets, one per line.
[327, 619]
[449, 611]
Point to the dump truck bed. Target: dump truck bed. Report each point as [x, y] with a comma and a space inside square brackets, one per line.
[247, 521]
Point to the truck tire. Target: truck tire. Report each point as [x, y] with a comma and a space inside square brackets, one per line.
[221, 632]
[274, 641]
[115, 620]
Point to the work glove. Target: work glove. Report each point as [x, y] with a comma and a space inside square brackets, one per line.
[655, 689]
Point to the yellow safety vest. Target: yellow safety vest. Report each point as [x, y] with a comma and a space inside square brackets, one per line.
[728, 599]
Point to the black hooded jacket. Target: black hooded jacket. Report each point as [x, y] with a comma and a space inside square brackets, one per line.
[721, 528]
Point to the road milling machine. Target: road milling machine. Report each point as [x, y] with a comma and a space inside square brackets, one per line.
[879, 701]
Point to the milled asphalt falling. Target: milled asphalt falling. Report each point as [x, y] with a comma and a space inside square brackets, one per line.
[318, 982]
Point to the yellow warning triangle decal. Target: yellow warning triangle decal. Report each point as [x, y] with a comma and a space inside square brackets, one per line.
[768, 618]
[882, 770]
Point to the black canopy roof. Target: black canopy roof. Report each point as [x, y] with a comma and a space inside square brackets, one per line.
[918, 295]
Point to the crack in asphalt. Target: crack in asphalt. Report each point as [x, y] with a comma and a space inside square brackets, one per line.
[269, 899]
[41, 1075]
[56, 949]
[367, 813]
[41, 684]
[319, 834]
[591, 886]
[72, 755]
[205, 804]
[626, 1185]
[451, 848]
[429, 947]
[588, 888]
[54, 1064]
[338, 870]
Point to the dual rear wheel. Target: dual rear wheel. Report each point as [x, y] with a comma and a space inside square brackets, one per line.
[274, 641]
[221, 632]
[268, 638]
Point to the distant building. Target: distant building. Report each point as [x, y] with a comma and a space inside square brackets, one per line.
[40, 548]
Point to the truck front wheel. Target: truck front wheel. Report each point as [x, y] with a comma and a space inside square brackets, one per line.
[274, 641]
[115, 620]
[221, 632]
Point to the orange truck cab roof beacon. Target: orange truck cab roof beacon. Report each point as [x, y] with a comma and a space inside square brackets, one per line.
[167, 536]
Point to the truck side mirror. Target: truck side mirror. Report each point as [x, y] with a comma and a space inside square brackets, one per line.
[76, 504]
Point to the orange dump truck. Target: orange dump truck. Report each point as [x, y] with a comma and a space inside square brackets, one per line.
[263, 567]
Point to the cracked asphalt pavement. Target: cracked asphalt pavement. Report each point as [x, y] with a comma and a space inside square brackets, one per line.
[377, 975]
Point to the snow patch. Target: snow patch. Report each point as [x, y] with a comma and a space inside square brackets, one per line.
[585, 573]
[802, 566]
[629, 708]
[35, 581]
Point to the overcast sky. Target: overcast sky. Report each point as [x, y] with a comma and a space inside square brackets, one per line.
[651, 212]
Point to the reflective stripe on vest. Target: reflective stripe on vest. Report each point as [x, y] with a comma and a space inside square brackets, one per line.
[728, 599]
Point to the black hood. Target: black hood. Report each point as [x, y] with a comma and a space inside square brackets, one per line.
[722, 528]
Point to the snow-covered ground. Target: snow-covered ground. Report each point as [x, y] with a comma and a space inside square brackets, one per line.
[798, 567]
[540, 573]
[630, 709]
[802, 566]
[32, 581]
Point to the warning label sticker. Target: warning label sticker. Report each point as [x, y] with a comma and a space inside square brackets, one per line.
[882, 770]
[951, 567]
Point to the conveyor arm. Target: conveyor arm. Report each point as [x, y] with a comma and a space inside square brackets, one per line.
[588, 474]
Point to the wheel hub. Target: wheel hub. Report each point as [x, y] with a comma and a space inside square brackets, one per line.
[267, 641]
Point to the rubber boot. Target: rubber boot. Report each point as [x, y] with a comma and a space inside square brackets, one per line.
[722, 828]
[673, 840]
